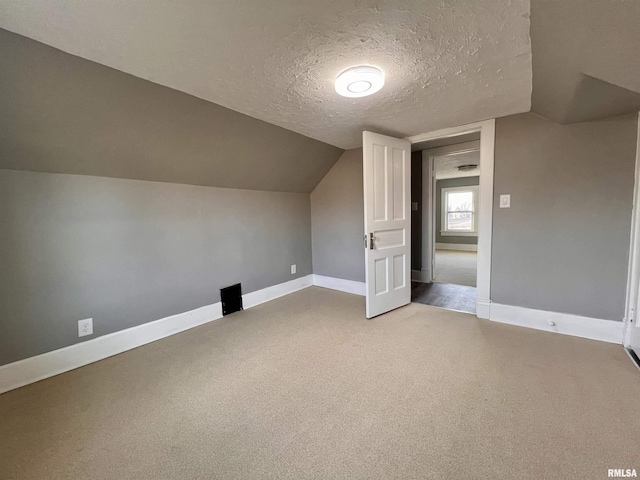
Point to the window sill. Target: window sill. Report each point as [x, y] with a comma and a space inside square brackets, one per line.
[447, 233]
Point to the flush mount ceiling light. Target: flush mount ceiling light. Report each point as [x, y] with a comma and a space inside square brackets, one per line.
[359, 81]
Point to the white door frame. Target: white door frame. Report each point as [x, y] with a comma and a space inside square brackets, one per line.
[633, 276]
[487, 131]
[428, 219]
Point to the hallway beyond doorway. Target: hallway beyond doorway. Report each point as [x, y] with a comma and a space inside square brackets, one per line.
[456, 267]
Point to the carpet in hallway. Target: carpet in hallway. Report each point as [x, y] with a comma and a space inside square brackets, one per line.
[456, 267]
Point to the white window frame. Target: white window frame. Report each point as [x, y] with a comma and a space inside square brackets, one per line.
[443, 212]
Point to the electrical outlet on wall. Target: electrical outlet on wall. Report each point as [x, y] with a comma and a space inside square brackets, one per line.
[85, 327]
[293, 269]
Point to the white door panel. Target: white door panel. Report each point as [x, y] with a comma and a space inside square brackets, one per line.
[387, 197]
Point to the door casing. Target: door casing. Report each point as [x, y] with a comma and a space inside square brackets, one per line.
[487, 129]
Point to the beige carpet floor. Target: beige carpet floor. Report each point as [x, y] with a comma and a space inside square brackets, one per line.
[305, 387]
[456, 267]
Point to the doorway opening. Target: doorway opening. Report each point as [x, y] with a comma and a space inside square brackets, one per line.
[445, 196]
[389, 218]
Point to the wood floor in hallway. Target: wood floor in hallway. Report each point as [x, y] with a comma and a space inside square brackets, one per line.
[445, 295]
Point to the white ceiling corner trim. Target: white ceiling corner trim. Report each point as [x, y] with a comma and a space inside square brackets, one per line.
[446, 63]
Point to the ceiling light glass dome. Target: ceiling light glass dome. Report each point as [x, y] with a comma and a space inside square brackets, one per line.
[359, 81]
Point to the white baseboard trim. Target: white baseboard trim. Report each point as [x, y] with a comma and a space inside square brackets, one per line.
[276, 291]
[348, 286]
[33, 369]
[483, 308]
[420, 276]
[457, 246]
[567, 324]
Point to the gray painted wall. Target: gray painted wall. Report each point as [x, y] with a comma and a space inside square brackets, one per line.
[563, 245]
[445, 183]
[337, 226]
[65, 114]
[127, 252]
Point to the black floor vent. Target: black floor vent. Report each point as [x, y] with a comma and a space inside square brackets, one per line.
[231, 299]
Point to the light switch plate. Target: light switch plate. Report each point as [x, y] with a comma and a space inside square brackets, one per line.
[505, 201]
[294, 269]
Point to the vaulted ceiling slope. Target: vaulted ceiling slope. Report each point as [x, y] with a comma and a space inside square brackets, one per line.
[586, 63]
[65, 114]
[447, 62]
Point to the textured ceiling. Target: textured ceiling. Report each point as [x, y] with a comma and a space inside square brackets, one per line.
[586, 63]
[447, 62]
[447, 166]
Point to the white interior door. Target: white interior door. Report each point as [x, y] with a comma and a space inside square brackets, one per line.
[387, 222]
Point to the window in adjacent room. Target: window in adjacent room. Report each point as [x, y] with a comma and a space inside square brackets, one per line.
[459, 210]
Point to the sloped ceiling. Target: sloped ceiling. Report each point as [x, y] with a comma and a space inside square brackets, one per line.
[586, 63]
[150, 107]
[447, 62]
[65, 114]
